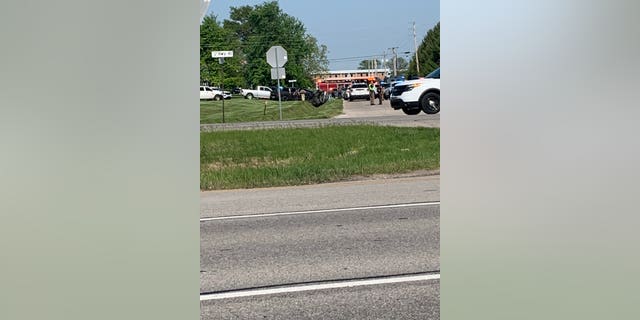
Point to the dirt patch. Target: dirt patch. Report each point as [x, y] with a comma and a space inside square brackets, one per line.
[419, 173]
[250, 163]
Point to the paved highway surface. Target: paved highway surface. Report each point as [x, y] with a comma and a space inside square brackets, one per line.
[425, 188]
[376, 262]
[413, 300]
[273, 250]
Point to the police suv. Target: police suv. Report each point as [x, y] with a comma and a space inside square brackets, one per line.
[417, 95]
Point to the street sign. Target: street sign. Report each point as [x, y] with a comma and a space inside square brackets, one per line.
[221, 54]
[277, 56]
[277, 73]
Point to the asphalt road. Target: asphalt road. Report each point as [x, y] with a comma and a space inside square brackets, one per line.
[292, 237]
[415, 300]
[290, 249]
[381, 191]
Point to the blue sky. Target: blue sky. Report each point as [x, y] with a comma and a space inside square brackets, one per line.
[354, 30]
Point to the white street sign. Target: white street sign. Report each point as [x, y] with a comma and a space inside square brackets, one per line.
[221, 54]
[277, 56]
[278, 73]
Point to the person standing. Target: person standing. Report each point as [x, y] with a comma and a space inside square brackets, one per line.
[372, 93]
[380, 93]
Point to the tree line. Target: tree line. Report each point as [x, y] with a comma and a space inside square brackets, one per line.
[428, 53]
[249, 32]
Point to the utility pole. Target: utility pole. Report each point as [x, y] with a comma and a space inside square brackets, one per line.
[384, 60]
[395, 61]
[415, 45]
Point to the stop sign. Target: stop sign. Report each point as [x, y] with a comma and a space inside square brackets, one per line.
[277, 56]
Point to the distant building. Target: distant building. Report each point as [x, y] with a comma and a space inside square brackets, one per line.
[341, 79]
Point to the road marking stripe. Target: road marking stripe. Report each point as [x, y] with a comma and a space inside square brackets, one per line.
[420, 204]
[323, 286]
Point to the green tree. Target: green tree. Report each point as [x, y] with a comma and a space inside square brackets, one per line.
[315, 61]
[213, 37]
[401, 64]
[428, 53]
[258, 28]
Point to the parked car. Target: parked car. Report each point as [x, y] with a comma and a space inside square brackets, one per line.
[397, 79]
[225, 94]
[285, 94]
[208, 93]
[413, 96]
[358, 91]
[261, 92]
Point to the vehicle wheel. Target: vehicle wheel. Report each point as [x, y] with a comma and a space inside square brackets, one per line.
[411, 112]
[350, 98]
[249, 96]
[430, 103]
[217, 98]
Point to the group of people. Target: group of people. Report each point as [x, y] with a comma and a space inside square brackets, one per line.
[373, 88]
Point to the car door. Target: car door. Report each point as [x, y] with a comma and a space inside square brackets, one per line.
[264, 93]
[202, 93]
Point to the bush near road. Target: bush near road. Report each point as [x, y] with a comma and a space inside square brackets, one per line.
[281, 157]
[244, 110]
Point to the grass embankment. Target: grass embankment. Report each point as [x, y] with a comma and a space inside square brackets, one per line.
[238, 109]
[280, 157]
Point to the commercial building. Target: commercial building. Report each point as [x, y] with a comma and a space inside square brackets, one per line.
[341, 79]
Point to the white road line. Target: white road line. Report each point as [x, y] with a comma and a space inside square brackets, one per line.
[324, 286]
[420, 204]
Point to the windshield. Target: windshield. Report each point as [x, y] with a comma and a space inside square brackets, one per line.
[434, 75]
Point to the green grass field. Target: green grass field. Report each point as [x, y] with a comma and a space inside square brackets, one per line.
[238, 109]
[280, 157]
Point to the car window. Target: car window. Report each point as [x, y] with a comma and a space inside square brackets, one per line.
[359, 85]
[434, 75]
[201, 89]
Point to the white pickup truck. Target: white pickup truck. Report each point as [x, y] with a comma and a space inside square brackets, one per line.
[260, 92]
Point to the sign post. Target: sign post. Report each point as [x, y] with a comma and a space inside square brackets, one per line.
[277, 58]
[221, 55]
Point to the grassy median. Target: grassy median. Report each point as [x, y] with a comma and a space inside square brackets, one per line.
[238, 109]
[281, 157]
